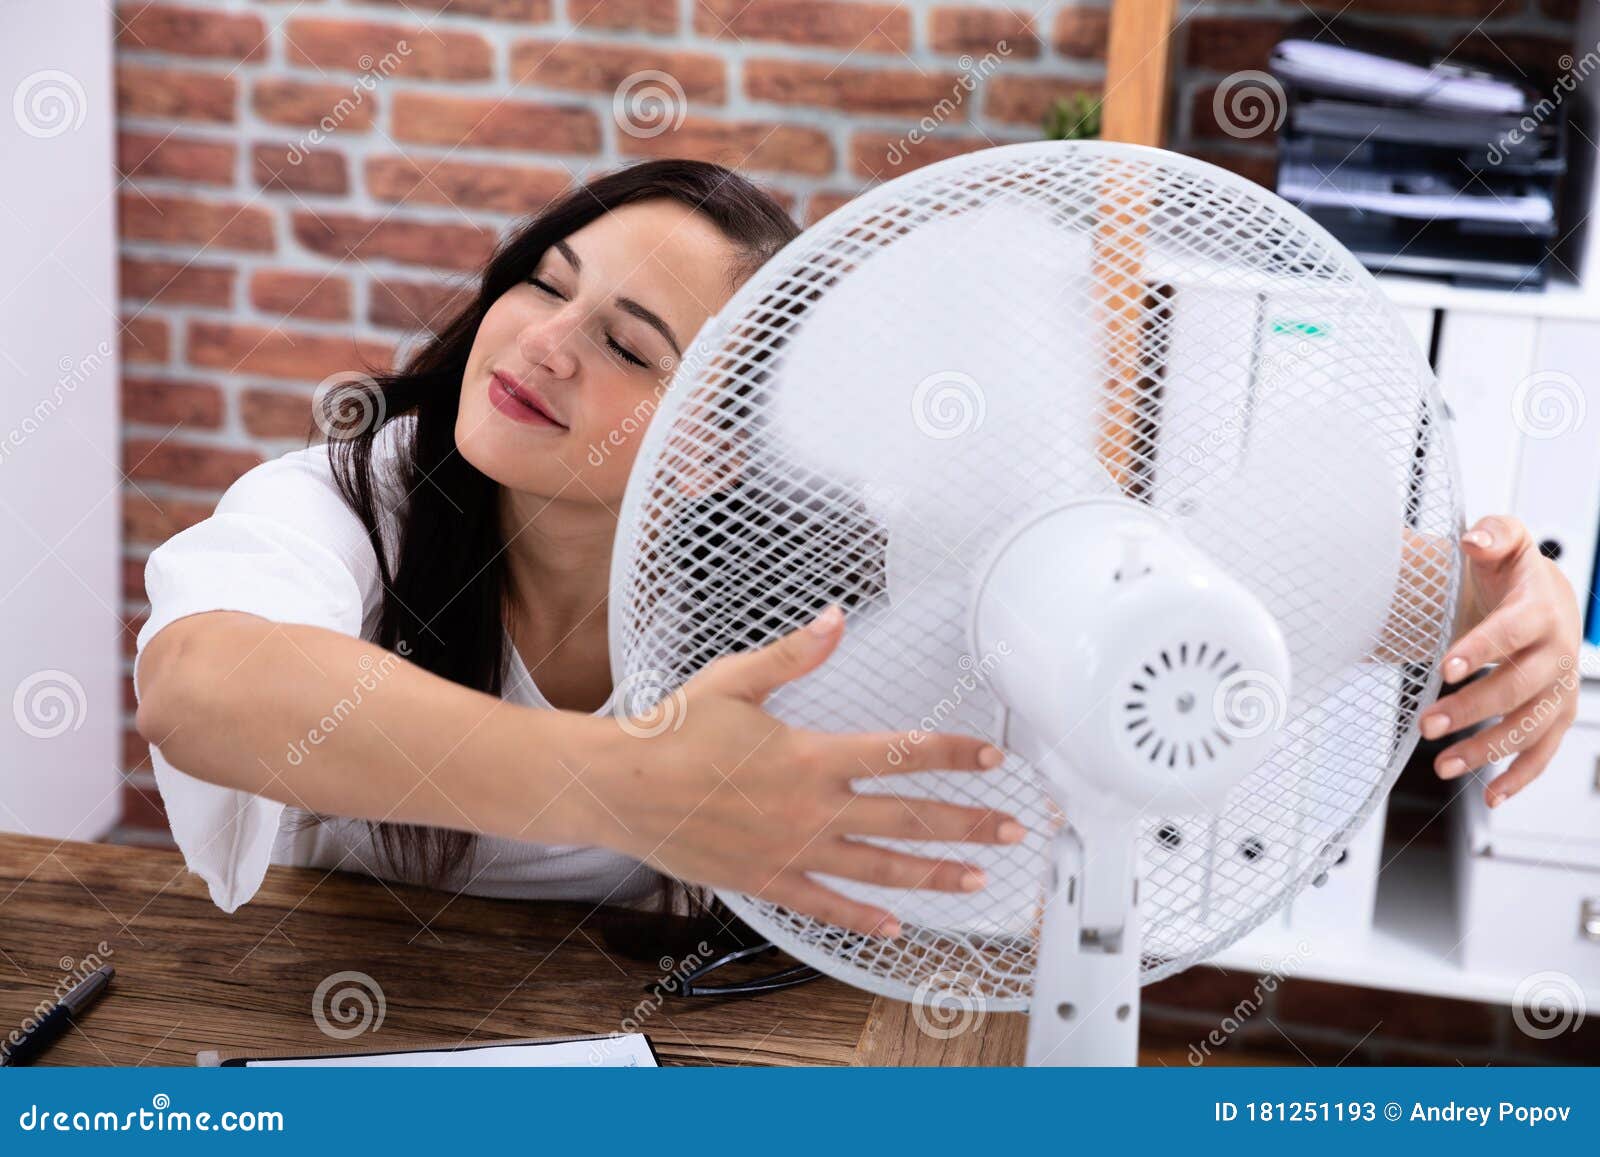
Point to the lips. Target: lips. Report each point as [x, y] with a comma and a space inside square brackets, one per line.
[520, 402]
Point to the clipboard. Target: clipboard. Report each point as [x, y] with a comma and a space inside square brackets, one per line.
[626, 1050]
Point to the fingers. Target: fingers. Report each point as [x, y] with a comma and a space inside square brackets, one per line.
[899, 818]
[1523, 770]
[753, 675]
[1508, 629]
[1498, 693]
[901, 752]
[1496, 541]
[797, 891]
[890, 869]
[1493, 744]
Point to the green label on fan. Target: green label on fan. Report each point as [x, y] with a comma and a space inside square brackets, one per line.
[1303, 328]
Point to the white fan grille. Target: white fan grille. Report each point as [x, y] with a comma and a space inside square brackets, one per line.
[1221, 359]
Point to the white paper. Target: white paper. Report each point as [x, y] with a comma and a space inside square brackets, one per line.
[628, 1051]
[1439, 87]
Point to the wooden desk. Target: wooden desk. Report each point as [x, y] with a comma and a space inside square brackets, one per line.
[454, 967]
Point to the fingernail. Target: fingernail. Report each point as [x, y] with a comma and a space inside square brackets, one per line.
[972, 881]
[1478, 538]
[1451, 768]
[824, 623]
[1011, 832]
[990, 756]
[1455, 668]
[1434, 726]
[889, 928]
[1496, 799]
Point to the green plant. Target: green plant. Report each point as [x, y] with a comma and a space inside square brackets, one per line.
[1073, 118]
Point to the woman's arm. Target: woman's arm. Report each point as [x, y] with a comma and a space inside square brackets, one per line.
[732, 798]
[285, 711]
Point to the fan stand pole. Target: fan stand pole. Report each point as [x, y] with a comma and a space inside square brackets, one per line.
[1086, 983]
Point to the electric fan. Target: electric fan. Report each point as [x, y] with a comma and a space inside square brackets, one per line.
[1113, 457]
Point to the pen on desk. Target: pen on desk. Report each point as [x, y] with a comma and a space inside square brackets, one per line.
[21, 1048]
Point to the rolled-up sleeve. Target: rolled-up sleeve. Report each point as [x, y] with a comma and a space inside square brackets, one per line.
[282, 544]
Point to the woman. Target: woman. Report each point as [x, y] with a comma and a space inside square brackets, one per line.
[468, 529]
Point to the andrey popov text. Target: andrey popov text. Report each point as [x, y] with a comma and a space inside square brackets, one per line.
[1448, 1112]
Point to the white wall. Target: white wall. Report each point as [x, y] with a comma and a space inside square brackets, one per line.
[60, 501]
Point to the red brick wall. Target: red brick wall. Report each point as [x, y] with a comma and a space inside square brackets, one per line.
[256, 262]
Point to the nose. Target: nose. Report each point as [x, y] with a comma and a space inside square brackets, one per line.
[546, 343]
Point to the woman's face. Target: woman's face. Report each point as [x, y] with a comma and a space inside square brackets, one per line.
[567, 368]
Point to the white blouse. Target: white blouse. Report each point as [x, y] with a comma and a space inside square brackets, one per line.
[284, 544]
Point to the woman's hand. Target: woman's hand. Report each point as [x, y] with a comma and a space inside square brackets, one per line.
[731, 797]
[1528, 622]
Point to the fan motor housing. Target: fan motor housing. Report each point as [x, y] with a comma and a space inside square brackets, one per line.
[1136, 666]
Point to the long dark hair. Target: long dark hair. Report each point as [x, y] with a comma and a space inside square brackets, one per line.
[446, 595]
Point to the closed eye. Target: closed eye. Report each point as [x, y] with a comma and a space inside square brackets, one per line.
[628, 356]
[632, 359]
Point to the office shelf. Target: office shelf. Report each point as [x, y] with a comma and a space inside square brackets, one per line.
[1412, 946]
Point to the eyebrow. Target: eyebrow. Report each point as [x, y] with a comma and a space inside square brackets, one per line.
[626, 304]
